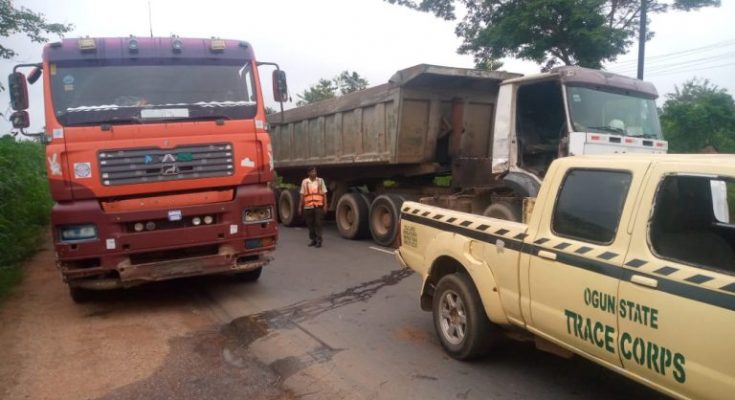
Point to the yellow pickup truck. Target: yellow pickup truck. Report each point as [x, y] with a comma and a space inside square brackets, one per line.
[627, 260]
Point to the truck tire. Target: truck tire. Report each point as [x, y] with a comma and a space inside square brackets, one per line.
[460, 321]
[288, 207]
[504, 210]
[249, 276]
[385, 212]
[351, 216]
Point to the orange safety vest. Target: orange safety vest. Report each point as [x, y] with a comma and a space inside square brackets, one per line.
[315, 199]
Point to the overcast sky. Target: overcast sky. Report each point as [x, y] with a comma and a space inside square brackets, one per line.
[319, 38]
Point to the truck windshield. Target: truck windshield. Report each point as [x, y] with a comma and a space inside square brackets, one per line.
[600, 111]
[99, 94]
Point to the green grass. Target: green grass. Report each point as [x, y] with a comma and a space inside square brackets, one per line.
[25, 206]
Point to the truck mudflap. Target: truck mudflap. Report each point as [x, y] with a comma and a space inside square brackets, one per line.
[132, 275]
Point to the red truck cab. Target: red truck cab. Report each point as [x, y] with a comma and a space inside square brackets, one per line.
[158, 159]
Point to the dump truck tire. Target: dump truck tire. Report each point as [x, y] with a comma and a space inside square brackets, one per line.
[351, 216]
[504, 210]
[249, 276]
[288, 207]
[385, 212]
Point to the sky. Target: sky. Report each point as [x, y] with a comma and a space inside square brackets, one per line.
[320, 38]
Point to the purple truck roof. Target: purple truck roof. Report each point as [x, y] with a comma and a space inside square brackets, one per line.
[147, 48]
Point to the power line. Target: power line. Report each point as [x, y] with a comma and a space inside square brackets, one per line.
[691, 70]
[677, 64]
[659, 57]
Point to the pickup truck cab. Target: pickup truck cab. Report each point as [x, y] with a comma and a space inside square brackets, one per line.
[627, 260]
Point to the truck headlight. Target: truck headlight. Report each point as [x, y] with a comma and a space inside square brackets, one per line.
[70, 233]
[256, 215]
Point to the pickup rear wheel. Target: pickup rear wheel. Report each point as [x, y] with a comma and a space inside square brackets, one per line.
[463, 328]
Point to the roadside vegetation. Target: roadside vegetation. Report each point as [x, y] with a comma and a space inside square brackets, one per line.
[25, 205]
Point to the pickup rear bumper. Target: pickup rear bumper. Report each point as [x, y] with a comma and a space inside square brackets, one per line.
[120, 256]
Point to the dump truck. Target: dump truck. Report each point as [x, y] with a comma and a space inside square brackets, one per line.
[158, 158]
[463, 139]
[627, 260]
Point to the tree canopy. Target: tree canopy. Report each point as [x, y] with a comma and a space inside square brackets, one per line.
[22, 20]
[344, 83]
[548, 32]
[699, 115]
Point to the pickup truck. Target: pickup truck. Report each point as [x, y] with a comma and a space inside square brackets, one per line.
[626, 260]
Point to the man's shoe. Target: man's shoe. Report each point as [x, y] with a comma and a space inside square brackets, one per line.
[318, 244]
[312, 243]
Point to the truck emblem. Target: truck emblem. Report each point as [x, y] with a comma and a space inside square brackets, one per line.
[184, 157]
[148, 159]
[170, 169]
[168, 158]
[53, 164]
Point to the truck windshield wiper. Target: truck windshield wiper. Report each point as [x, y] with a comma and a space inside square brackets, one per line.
[607, 129]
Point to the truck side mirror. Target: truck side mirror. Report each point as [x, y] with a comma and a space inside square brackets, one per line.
[20, 119]
[280, 87]
[18, 89]
[34, 75]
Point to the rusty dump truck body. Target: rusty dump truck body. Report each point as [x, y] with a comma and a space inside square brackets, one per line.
[403, 127]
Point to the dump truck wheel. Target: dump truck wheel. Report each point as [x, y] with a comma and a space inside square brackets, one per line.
[504, 210]
[460, 321]
[288, 207]
[249, 276]
[351, 216]
[385, 213]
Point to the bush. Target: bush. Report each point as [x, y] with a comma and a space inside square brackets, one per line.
[25, 205]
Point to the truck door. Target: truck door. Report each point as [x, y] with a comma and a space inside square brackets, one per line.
[576, 253]
[677, 292]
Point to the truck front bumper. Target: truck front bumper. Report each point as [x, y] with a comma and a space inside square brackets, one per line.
[122, 257]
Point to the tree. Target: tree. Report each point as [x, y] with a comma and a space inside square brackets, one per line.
[549, 32]
[344, 83]
[22, 20]
[699, 115]
[322, 90]
[349, 82]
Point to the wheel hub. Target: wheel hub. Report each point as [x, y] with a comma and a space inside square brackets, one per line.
[452, 317]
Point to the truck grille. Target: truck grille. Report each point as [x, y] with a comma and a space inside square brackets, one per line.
[145, 165]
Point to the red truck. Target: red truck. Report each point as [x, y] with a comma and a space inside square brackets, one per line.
[158, 158]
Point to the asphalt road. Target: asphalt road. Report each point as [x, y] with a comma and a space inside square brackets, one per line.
[340, 322]
[343, 321]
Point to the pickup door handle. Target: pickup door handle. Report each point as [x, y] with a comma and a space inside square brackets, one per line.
[547, 254]
[644, 281]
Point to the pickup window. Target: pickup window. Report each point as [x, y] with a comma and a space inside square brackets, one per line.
[692, 222]
[590, 203]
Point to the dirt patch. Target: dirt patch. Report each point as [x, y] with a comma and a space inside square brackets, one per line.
[412, 334]
[152, 342]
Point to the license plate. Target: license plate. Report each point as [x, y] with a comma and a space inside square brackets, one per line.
[174, 215]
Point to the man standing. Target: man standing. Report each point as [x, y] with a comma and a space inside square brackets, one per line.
[313, 205]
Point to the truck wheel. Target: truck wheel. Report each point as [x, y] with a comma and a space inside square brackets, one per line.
[352, 216]
[288, 207]
[80, 295]
[385, 213]
[504, 210]
[249, 276]
[460, 320]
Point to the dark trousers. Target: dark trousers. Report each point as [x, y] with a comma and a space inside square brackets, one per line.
[314, 217]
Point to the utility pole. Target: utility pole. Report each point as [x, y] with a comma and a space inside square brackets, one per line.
[150, 18]
[642, 38]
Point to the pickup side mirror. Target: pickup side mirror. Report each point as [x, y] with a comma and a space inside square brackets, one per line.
[280, 87]
[18, 89]
[20, 119]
